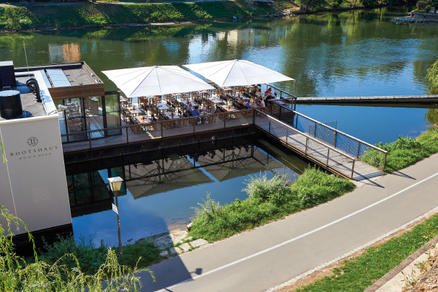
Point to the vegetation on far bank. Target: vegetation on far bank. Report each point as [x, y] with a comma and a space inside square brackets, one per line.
[105, 14]
[63, 273]
[361, 272]
[269, 199]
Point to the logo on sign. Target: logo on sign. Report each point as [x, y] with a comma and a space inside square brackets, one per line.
[32, 141]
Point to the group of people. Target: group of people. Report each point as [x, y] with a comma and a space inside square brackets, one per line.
[202, 104]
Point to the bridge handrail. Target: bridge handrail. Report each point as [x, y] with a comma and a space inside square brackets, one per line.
[121, 127]
[340, 132]
[283, 91]
[307, 136]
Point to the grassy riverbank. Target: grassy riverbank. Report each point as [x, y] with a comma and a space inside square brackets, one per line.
[69, 16]
[33, 17]
[269, 199]
[361, 272]
[405, 151]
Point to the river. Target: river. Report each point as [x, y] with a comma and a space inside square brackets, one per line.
[351, 53]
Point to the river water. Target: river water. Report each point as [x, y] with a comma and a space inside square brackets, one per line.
[332, 54]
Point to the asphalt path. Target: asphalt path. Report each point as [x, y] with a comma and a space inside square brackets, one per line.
[275, 253]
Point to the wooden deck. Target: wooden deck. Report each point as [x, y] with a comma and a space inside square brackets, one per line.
[316, 150]
[165, 129]
[312, 148]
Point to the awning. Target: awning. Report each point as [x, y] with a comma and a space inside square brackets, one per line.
[155, 80]
[237, 73]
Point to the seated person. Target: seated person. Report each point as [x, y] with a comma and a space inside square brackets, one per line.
[268, 92]
[195, 112]
[248, 105]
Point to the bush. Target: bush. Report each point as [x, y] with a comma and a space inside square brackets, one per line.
[268, 199]
[89, 258]
[263, 188]
[404, 151]
[16, 274]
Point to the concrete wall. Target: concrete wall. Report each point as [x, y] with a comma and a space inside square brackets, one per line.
[33, 182]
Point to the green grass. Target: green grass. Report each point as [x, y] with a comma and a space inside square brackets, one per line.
[359, 273]
[269, 199]
[106, 14]
[404, 151]
[141, 254]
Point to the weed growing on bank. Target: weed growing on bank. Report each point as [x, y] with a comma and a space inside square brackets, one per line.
[17, 274]
[404, 151]
[268, 199]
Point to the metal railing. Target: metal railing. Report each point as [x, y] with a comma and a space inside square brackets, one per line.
[280, 93]
[330, 135]
[311, 147]
[82, 140]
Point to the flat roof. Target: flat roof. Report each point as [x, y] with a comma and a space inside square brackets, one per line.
[28, 100]
[69, 80]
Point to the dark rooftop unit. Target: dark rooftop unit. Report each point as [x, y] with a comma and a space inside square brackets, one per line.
[7, 76]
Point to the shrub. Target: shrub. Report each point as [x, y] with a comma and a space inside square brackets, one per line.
[89, 258]
[18, 275]
[263, 188]
[268, 199]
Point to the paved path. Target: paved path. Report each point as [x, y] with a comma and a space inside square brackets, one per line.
[274, 253]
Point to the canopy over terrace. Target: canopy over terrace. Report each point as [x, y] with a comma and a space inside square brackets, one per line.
[237, 73]
[155, 80]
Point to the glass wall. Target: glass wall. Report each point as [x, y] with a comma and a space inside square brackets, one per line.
[79, 115]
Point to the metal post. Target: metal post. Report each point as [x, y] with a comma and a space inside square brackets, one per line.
[287, 134]
[118, 227]
[279, 115]
[384, 161]
[269, 128]
[314, 130]
[89, 138]
[358, 149]
[352, 169]
[328, 155]
[253, 116]
[336, 138]
[307, 141]
[161, 130]
[225, 121]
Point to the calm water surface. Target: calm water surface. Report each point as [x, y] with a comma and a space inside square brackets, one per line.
[345, 54]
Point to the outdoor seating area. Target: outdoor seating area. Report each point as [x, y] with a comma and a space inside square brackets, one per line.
[170, 95]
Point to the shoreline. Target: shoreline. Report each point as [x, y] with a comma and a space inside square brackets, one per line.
[279, 14]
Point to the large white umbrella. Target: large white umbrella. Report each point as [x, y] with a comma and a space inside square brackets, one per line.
[237, 73]
[155, 80]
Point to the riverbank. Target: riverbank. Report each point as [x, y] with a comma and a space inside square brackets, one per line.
[95, 15]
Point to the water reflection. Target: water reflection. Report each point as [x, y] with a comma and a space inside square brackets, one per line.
[332, 54]
[160, 194]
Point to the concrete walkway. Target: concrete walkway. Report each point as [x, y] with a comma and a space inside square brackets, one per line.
[277, 252]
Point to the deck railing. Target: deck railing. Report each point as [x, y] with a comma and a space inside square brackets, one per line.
[157, 130]
[309, 146]
[338, 139]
